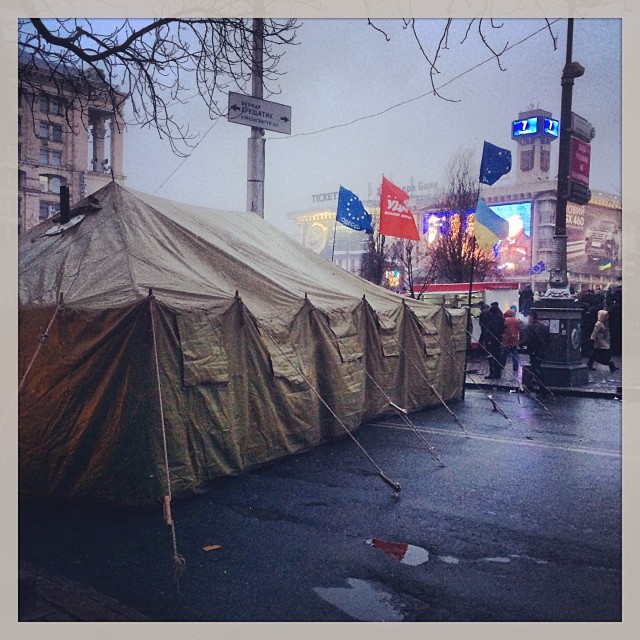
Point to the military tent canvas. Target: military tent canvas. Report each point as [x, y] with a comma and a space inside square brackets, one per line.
[163, 345]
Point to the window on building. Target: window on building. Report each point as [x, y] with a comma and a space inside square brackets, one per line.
[52, 158]
[49, 104]
[545, 159]
[51, 132]
[22, 179]
[47, 209]
[51, 183]
[19, 151]
[526, 160]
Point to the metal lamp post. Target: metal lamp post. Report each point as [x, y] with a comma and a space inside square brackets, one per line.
[563, 366]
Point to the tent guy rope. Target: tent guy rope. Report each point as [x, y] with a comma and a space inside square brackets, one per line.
[400, 411]
[391, 483]
[41, 340]
[431, 387]
[178, 560]
[442, 345]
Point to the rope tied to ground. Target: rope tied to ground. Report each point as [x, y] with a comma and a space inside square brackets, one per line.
[179, 563]
[451, 354]
[399, 410]
[421, 374]
[395, 485]
[42, 338]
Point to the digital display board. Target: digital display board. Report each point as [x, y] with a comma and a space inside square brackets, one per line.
[526, 127]
[513, 254]
[535, 125]
[518, 209]
[551, 127]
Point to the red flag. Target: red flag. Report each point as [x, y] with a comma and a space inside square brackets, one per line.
[395, 217]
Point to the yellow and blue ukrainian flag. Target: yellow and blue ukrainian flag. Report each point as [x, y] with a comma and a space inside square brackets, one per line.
[489, 227]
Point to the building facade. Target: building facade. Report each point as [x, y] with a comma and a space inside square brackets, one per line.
[526, 198]
[58, 148]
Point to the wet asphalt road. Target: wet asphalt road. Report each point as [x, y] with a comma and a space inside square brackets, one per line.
[519, 520]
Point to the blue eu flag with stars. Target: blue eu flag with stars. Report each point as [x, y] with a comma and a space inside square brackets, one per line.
[496, 162]
[351, 212]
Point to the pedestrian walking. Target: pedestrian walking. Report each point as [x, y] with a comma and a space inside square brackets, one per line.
[536, 339]
[601, 343]
[494, 332]
[511, 336]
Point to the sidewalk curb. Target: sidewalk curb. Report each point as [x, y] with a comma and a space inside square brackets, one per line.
[558, 391]
[47, 597]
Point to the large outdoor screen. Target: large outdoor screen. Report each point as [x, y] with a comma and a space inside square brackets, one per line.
[513, 254]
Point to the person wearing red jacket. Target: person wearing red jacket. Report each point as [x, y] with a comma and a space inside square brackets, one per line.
[511, 336]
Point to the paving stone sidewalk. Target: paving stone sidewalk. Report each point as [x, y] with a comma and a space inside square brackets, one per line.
[602, 382]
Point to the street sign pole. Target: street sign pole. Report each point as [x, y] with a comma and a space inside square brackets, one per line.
[256, 145]
[562, 366]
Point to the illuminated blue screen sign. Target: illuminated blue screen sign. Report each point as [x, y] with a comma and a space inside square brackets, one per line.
[524, 127]
[513, 254]
[535, 125]
[551, 127]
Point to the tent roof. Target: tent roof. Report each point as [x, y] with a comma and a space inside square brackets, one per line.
[191, 257]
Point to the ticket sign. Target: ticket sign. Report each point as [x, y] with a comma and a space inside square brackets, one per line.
[580, 161]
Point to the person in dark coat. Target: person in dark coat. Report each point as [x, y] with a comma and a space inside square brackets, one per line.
[495, 331]
[526, 300]
[535, 339]
[482, 321]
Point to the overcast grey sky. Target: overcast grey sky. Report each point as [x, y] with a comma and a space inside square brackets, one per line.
[344, 70]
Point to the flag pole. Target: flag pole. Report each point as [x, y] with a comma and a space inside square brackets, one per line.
[333, 248]
[469, 320]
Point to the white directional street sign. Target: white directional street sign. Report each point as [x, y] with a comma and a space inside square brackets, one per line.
[255, 112]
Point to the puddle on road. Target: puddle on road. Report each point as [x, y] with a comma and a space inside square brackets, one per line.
[515, 556]
[400, 551]
[504, 560]
[362, 600]
[412, 555]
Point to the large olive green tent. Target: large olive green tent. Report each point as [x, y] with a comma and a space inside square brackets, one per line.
[163, 345]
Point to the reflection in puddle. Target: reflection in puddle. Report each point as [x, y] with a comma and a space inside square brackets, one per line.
[448, 559]
[516, 556]
[535, 560]
[505, 560]
[362, 601]
[400, 551]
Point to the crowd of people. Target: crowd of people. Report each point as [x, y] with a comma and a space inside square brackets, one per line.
[519, 330]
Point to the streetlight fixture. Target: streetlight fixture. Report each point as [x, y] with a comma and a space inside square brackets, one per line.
[563, 366]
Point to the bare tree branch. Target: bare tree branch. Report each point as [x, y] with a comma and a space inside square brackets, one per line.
[155, 66]
[483, 34]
